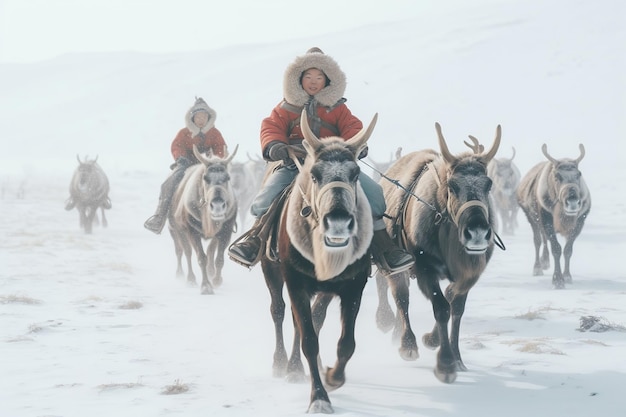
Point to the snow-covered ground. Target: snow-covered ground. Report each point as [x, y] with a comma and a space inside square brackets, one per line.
[98, 324]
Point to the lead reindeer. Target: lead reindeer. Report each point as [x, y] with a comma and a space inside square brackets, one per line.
[442, 214]
[556, 200]
[204, 208]
[324, 233]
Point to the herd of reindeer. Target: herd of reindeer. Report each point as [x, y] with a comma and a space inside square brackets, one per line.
[444, 208]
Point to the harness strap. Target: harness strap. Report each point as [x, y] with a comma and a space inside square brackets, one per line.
[327, 187]
[401, 238]
[465, 206]
[296, 122]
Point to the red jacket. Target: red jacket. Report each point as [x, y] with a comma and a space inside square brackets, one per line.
[211, 140]
[283, 124]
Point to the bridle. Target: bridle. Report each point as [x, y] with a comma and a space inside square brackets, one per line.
[313, 208]
[439, 215]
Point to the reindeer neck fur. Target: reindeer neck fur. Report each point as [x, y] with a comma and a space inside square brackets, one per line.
[306, 234]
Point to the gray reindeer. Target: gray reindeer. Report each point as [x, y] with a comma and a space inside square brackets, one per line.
[89, 191]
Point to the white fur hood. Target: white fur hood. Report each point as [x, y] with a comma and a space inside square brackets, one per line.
[314, 58]
[200, 105]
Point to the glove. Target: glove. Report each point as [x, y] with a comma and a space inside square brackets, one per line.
[182, 162]
[278, 152]
[299, 151]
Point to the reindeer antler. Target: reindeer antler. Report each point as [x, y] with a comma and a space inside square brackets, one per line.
[476, 147]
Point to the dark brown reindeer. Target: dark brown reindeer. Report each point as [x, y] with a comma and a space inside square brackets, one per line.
[323, 236]
[506, 178]
[89, 191]
[556, 200]
[442, 214]
[204, 208]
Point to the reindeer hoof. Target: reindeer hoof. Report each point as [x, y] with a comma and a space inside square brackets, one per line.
[446, 377]
[385, 319]
[430, 341]
[320, 407]
[409, 354]
[332, 380]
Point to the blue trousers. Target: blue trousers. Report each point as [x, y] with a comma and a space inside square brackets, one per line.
[284, 175]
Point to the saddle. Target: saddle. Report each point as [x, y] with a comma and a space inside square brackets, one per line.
[266, 228]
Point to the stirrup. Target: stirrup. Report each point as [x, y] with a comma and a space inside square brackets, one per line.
[154, 227]
[384, 267]
[240, 259]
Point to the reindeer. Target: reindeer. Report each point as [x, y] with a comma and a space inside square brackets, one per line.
[89, 191]
[323, 240]
[556, 200]
[506, 177]
[441, 212]
[204, 207]
[246, 180]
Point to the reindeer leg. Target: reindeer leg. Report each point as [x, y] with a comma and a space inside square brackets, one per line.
[210, 258]
[319, 309]
[569, 248]
[205, 286]
[301, 308]
[191, 277]
[457, 304]
[445, 369]
[295, 369]
[178, 250]
[399, 284]
[274, 283]
[385, 318]
[545, 255]
[105, 223]
[223, 239]
[557, 276]
[89, 214]
[537, 239]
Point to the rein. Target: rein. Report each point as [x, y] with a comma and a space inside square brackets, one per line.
[438, 215]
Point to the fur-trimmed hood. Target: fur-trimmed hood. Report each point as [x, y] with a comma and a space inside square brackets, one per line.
[200, 105]
[314, 58]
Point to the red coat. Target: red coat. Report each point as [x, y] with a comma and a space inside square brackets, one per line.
[283, 124]
[182, 145]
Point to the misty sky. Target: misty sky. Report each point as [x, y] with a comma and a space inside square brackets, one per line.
[33, 30]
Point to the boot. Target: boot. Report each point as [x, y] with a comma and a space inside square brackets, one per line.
[388, 256]
[246, 249]
[156, 222]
